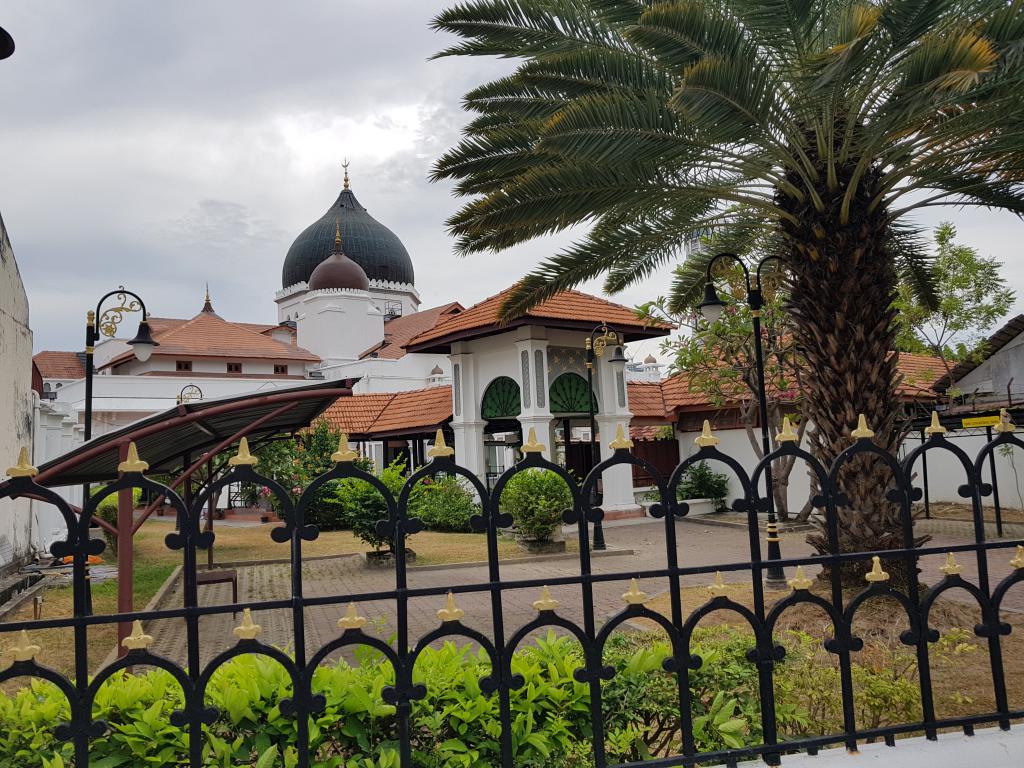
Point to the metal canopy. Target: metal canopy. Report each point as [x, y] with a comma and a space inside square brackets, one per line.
[165, 438]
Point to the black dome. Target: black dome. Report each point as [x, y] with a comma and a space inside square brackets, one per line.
[368, 243]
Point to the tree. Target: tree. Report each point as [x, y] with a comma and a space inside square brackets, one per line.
[973, 297]
[717, 360]
[650, 121]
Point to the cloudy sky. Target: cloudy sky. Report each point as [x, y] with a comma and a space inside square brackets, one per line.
[164, 145]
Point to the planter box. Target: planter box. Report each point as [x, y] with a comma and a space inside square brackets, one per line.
[700, 507]
[386, 559]
[542, 546]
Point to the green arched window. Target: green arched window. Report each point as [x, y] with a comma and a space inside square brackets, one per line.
[568, 395]
[501, 400]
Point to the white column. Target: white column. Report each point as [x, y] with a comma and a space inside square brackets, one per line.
[613, 412]
[466, 422]
[532, 365]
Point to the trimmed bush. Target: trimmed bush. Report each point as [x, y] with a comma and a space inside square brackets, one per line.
[446, 504]
[536, 499]
[699, 481]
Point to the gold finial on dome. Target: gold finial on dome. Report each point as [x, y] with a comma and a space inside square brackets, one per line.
[876, 575]
[862, 431]
[351, 619]
[24, 467]
[450, 612]
[137, 640]
[243, 458]
[337, 231]
[935, 428]
[546, 602]
[247, 630]
[345, 166]
[132, 462]
[706, 439]
[440, 449]
[344, 452]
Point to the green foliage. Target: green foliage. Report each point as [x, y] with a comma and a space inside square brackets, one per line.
[296, 461]
[973, 297]
[106, 510]
[700, 481]
[456, 725]
[445, 504]
[536, 499]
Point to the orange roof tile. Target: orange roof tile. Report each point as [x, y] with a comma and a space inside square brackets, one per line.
[392, 413]
[355, 414]
[59, 365]
[398, 331]
[568, 309]
[646, 400]
[208, 335]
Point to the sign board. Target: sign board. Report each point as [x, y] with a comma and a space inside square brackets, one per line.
[980, 421]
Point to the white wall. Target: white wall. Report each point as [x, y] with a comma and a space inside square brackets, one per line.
[385, 375]
[338, 324]
[16, 402]
[996, 372]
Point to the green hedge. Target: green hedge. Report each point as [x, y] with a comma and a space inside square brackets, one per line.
[536, 499]
[456, 726]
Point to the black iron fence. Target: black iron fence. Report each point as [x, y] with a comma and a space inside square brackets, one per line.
[592, 633]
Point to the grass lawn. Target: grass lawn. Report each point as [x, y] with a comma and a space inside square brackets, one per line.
[154, 562]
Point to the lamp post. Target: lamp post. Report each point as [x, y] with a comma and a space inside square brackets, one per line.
[597, 342]
[711, 308]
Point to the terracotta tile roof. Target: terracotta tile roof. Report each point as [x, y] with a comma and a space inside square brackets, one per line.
[381, 414]
[646, 400]
[208, 335]
[355, 414]
[60, 365]
[398, 331]
[569, 309]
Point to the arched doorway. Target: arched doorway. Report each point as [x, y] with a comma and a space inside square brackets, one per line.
[500, 407]
[568, 396]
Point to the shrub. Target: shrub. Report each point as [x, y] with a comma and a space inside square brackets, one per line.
[536, 499]
[699, 481]
[106, 511]
[446, 504]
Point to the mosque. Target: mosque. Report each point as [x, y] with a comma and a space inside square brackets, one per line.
[349, 309]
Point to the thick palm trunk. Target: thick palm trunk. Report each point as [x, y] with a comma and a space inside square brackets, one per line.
[841, 305]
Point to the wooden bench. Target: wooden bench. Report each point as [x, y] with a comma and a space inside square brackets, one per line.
[220, 577]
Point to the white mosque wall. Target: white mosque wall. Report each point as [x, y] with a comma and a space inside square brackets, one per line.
[338, 324]
[16, 404]
[208, 366]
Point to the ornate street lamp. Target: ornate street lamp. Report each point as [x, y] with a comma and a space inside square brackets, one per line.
[599, 340]
[106, 323]
[6, 44]
[711, 309]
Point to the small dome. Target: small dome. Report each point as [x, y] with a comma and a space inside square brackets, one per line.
[437, 371]
[338, 271]
[650, 360]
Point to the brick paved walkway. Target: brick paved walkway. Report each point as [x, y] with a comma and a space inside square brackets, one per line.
[699, 545]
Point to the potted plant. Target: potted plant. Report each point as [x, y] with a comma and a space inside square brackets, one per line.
[536, 499]
[703, 489]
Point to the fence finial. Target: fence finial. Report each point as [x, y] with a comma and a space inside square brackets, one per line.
[718, 588]
[440, 449]
[635, 596]
[531, 445]
[24, 650]
[137, 640]
[706, 439]
[800, 582]
[862, 432]
[24, 467]
[132, 462]
[243, 458]
[344, 452]
[247, 630]
[546, 602]
[952, 567]
[787, 435]
[936, 427]
[876, 575]
[351, 619]
[450, 612]
[621, 442]
[1004, 425]
[1018, 561]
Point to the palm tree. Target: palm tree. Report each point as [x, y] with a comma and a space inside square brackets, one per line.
[655, 122]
